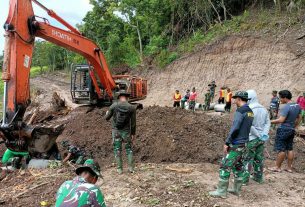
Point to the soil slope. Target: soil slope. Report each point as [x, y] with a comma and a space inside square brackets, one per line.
[238, 62]
[163, 135]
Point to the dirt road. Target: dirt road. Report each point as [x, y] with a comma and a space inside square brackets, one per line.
[162, 185]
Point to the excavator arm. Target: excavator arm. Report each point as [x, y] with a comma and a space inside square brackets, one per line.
[21, 28]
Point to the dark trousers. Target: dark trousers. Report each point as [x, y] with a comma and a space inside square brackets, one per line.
[221, 100]
[177, 104]
[228, 107]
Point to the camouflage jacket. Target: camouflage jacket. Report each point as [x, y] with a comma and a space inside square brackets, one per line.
[130, 126]
[76, 152]
[79, 193]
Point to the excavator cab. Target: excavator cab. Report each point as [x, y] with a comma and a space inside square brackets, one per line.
[83, 90]
[91, 84]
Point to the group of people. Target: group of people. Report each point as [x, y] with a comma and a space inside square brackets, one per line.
[82, 191]
[190, 97]
[244, 146]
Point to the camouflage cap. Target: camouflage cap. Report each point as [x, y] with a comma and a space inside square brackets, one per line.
[241, 94]
[90, 166]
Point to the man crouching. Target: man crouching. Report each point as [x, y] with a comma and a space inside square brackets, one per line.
[81, 191]
[234, 147]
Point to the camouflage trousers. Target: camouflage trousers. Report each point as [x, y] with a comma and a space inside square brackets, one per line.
[192, 105]
[207, 105]
[254, 160]
[233, 161]
[119, 137]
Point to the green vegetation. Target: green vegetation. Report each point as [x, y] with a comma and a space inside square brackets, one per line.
[132, 31]
[157, 32]
[53, 57]
[36, 71]
[152, 201]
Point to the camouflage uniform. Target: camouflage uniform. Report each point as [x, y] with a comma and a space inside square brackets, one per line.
[79, 193]
[77, 155]
[254, 156]
[122, 134]
[207, 101]
[235, 147]
[232, 161]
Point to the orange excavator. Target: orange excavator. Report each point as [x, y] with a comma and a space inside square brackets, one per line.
[92, 82]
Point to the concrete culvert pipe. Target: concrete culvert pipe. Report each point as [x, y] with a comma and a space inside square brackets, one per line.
[219, 107]
[212, 105]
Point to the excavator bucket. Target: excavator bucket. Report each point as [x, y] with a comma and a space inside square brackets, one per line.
[33, 139]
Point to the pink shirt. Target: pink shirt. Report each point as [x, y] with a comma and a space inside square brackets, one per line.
[193, 96]
[301, 102]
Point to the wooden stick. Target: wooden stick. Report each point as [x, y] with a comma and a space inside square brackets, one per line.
[32, 188]
[33, 117]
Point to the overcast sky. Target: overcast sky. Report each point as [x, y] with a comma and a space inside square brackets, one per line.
[73, 11]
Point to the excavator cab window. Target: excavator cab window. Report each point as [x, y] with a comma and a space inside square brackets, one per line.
[82, 90]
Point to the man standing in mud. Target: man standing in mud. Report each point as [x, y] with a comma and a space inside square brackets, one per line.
[212, 87]
[81, 191]
[235, 148]
[290, 117]
[259, 134]
[123, 129]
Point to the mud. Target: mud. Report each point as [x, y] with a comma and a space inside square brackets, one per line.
[163, 135]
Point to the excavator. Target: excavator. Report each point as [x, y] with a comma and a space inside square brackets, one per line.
[92, 82]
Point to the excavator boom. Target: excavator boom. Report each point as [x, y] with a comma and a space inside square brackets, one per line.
[21, 28]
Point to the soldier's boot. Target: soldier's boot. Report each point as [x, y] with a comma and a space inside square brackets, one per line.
[259, 180]
[238, 182]
[221, 189]
[130, 162]
[119, 162]
[245, 179]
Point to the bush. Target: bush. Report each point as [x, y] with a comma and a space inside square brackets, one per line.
[166, 57]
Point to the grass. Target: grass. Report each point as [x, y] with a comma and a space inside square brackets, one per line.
[35, 71]
[260, 21]
[152, 202]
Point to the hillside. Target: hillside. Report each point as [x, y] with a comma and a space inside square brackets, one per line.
[239, 62]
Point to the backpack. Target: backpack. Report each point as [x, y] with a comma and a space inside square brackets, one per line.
[121, 117]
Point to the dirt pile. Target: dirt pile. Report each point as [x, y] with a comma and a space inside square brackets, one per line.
[163, 135]
[238, 62]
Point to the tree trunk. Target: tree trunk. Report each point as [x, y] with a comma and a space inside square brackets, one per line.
[224, 9]
[140, 41]
[219, 19]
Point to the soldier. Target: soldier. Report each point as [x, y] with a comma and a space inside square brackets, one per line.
[234, 147]
[207, 100]
[212, 86]
[259, 134]
[123, 129]
[81, 191]
[75, 154]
